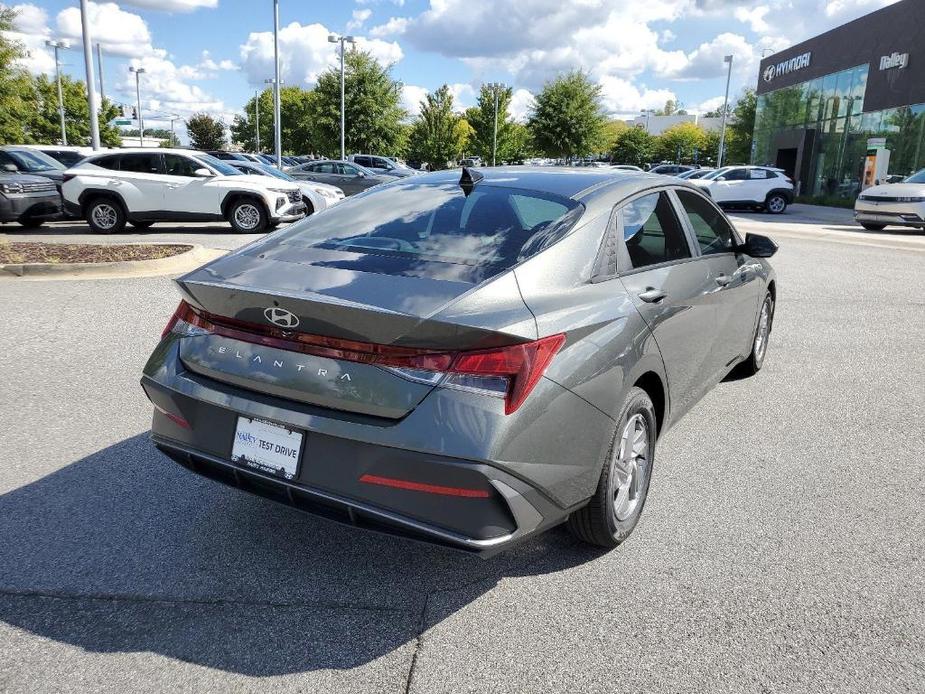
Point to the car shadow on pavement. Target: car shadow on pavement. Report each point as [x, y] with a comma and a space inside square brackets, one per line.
[79, 228]
[124, 551]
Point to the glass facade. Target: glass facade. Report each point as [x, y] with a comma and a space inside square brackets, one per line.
[824, 119]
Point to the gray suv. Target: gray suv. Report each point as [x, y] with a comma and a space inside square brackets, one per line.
[29, 200]
[349, 177]
[382, 165]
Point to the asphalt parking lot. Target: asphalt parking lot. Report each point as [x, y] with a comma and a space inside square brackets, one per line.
[782, 548]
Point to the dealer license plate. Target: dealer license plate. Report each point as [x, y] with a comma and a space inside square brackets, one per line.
[268, 447]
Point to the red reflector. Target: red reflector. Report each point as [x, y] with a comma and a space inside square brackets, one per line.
[426, 488]
[175, 418]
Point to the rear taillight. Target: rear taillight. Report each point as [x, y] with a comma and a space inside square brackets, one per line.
[509, 372]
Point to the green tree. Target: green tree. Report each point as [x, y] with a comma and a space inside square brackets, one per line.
[610, 134]
[205, 132]
[633, 146]
[295, 113]
[567, 117]
[438, 135]
[373, 109]
[15, 89]
[741, 128]
[44, 122]
[671, 108]
[680, 143]
[481, 118]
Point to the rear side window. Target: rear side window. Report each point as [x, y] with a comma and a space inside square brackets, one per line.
[759, 174]
[435, 230]
[652, 232]
[714, 235]
[139, 163]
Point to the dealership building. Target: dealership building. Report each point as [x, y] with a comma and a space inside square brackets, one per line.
[846, 109]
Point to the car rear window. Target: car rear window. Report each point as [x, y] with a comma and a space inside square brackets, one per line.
[435, 229]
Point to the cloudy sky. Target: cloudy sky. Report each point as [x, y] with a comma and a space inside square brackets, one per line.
[211, 54]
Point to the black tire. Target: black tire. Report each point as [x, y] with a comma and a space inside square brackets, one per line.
[141, 225]
[873, 227]
[244, 210]
[29, 222]
[105, 216]
[598, 522]
[776, 203]
[755, 360]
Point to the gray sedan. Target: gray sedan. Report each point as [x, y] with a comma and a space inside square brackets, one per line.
[349, 177]
[464, 359]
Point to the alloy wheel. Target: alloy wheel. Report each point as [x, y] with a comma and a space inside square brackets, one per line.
[764, 328]
[777, 204]
[247, 216]
[630, 468]
[104, 216]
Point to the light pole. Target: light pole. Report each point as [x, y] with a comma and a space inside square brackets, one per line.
[277, 125]
[141, 121]
[91, 88]
[173, 117]
[722, 134]
[495, 88]
[332, 38]
[646, 114]
[257, 120]
[59, 45]
[99, 59]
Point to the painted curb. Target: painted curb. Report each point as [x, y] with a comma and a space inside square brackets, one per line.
[183, 262]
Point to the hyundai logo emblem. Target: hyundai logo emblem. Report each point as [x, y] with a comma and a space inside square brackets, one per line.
[281, 317]
[770, 72]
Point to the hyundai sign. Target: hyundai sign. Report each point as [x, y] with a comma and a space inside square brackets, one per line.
[787, 66]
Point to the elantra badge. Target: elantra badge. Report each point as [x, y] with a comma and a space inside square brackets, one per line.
[281, 317]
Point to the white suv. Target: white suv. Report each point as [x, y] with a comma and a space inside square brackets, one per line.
[143, 186]
[748, 186]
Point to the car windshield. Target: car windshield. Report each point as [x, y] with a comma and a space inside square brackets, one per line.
[715, 174]
[435, 230]
[36, 161]
[918, 177]
[217, 164]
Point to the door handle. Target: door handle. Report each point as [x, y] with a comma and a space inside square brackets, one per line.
[723, 280]
[652, 295]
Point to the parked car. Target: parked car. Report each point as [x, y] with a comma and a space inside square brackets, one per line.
[471, 162]
[29, 200]
[382, 165]
[19, 158]
[670, 169]
[316, 196]
[759, 187]
[227, 156]
[896, 204]
[349, 177]
[143, 186]
[66, 154]
[468, 359]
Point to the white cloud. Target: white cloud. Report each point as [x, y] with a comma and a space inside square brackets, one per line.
[464, 95]
[304, 53]
[754, 17]
[30, 28]
[621, 97]
[521, 105]
[838, 8]
[164, 86]
[411, 98]
[359, 18]
[711, 104]
[706, 61]
[172, 5]
[121, 33]
[394, 27]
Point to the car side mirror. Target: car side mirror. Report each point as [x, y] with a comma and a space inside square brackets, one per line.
[758, 246]
[203, 173]
[10, 167]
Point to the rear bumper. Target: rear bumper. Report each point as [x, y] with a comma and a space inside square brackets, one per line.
[528, 478]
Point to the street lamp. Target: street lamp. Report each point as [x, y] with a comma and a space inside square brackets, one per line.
[257, 120]
[173, 117]
[141, 121]
[88, 66]
[495, 88]
[333, 38]
[277, 125]
[722, 134]
[646, 113]
[59, 45]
